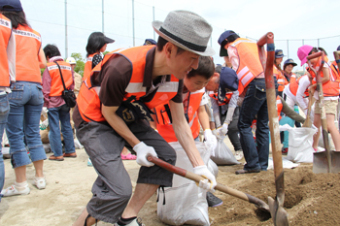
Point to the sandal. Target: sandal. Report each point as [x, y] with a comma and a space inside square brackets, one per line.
[85, 223]
[128, 157]
[56, 158]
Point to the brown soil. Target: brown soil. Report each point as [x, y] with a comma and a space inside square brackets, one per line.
[311, 199]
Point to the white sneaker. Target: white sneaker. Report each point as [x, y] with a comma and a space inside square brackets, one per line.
[11, 191]
[238, 155]
[40, 183]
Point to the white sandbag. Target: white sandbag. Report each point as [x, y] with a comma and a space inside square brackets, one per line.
[184, 202]
[213, 168]
[223, 155]
[286, 164]
[300, 144]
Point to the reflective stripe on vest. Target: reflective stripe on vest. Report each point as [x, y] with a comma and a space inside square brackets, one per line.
[281, 79]
[5, 31]
[249, 66]
[330, 88]
[88, 66]
[164, 126]
[88, 100]
[56, 83]
[28, 43]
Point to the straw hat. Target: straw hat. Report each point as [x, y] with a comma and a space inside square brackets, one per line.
[186, 30]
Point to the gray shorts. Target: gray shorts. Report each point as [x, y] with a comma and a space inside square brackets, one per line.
[112, 189]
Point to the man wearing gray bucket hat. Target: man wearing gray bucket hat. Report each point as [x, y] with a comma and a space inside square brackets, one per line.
[133, 81]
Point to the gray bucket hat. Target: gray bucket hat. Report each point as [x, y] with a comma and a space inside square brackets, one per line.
[186, 30]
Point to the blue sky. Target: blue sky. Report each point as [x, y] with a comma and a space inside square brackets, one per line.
[293, 20]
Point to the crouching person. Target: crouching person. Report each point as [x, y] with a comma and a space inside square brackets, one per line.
[113, 107]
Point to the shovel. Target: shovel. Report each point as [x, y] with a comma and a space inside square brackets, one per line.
[277, 211]
[324, 161]
[197, 178]
[308, 121]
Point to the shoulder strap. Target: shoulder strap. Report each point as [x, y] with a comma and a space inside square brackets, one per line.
[61, 75]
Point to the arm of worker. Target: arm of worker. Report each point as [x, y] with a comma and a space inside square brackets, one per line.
[42, 59]
[221, 132]
[209, 137]
[184, 136]
[46, 84]
[11, 55]
[118, 124]
[291, 113]
[304, 83]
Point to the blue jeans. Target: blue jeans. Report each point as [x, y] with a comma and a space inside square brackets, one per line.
[55, 115]
[4, 110]
[26, 101]
[255, 103]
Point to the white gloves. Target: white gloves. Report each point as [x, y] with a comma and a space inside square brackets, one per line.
[210, 140]
[210, 182]
[44, 124]
[221, 132]
[143, 151]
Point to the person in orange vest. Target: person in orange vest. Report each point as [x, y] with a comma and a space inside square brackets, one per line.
[7, 75]
[194, 101]
[244, 56]
[281, 79]
[330, 86]
[58, 111]
[25, 100]
[224, 85]
[113, 108]
[96, 45]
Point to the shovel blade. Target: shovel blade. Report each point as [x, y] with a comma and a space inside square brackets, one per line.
[320, 162]
[278, 213]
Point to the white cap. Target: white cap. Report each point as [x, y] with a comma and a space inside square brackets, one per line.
[71, 60]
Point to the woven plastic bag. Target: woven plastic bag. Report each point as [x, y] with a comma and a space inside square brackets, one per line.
[184, 202]
[223, 155]
[300, 147]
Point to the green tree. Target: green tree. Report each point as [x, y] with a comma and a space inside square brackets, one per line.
[106, 52]
[80, 63]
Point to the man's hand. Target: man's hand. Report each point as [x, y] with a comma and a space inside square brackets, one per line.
[210, 182]
[210, 140]
[221, 132]
[143, 151]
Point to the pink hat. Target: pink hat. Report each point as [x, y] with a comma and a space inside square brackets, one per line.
[303, 52]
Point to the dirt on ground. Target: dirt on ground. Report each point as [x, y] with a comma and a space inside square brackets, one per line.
[311, 199]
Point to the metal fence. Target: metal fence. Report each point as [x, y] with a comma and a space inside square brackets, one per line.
[68, 23]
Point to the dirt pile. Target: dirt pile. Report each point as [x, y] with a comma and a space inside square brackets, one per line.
[311, 199]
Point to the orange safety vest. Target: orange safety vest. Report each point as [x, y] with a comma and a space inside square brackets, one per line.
[226, 99]
[88, 66]
[294, 85]
[56, 84]
[88, 101]
[191, 106]
[279, 106]
[281, 79]
[249, 66]
[28, 43]
[330, 88]
[6, 32]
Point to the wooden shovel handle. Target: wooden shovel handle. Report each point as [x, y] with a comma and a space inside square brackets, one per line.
[197, 178]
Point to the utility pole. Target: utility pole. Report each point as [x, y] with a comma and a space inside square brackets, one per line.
[288, 48]
[133, 21]
[103, 16]
[66, 54]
